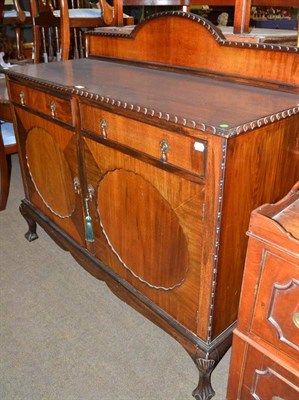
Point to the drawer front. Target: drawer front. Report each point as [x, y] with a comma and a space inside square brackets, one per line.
[181, 151]
[276, 313]
[260, 375]
[50, 105]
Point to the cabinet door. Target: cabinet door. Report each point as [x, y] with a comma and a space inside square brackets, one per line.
[50, 167]
[148, 224]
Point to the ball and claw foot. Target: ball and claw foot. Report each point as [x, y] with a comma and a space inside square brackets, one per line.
[30, 236]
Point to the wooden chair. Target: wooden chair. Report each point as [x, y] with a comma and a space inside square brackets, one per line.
[15, 17]
[58, 29]
[8, 144]
[120, 4]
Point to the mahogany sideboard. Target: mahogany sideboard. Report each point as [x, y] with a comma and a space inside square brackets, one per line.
[146, 159]
[265, 354]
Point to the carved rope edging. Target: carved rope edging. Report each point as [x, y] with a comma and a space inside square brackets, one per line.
[218, 36]
[217, 241]
[161, 115]
[190, 123]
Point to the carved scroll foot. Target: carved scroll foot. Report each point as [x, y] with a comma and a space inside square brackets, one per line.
[204, 390]
[31, 234]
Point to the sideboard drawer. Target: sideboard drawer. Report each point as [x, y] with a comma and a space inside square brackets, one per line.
[179, 150]
[55, 107]
[264, 376]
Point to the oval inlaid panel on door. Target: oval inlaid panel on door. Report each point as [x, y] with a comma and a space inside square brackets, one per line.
[142, 229]
[50, 172]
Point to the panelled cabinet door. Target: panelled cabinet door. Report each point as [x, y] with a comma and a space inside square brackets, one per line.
[148, 226]
[51, 166]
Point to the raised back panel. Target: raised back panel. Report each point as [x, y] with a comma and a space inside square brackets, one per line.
[189, 41]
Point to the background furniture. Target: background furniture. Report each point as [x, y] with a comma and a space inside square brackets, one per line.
[8, 144]
[150, 189]
[58, 29]
[15, 17]
[242, 9]
[52, 28]
[276, 24]
[261, 35]
[264, 361]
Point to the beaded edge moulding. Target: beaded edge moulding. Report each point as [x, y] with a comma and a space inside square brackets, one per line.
[161, 115]
[171, 118]
[208, 25]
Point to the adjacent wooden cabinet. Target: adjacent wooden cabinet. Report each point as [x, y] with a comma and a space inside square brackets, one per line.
[147, 173]
[265, 354]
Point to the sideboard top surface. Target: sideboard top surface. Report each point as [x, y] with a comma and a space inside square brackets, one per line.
[212, 105]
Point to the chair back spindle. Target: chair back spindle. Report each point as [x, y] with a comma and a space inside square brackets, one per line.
[59, 25]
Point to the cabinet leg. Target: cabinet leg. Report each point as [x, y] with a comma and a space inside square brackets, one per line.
[31, 234]
[204, 390]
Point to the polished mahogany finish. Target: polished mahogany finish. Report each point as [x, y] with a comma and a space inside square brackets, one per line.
[265, 352]
[155, 163]
[239, 61]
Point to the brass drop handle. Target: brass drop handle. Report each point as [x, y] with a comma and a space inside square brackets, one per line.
[296, 319]
[89, 234]
[165, 147]
[77, 186]
[53, 109]
[22, 97]
[90, 190]
[104, 127]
